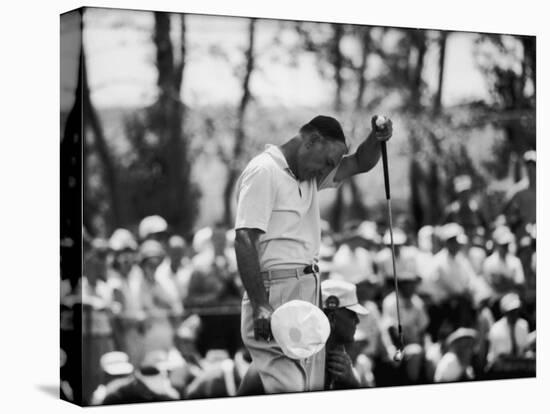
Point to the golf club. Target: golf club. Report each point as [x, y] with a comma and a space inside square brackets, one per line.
[380, 124]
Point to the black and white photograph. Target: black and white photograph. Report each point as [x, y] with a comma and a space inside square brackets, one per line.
[254, 206]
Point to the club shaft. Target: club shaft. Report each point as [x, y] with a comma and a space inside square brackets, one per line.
[390, 222]
[396, 286]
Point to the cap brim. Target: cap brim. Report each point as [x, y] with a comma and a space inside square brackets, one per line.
[358, 309]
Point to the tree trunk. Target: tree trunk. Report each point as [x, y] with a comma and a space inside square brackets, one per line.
[240, 134]
[337, 63]
[91, 120]
[442, 50]
[419, 40]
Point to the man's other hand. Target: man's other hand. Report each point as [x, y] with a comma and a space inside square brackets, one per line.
[262, 322]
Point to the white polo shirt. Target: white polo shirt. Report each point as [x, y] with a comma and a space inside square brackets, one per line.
[271, 199]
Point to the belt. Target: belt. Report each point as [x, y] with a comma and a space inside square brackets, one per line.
[289, 273]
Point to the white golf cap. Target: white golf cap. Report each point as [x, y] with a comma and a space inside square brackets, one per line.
[300, 328]
[399, 237]
[450, 230]
[151, 225]
[116, 363]
[502, 235]
[530, 156]
[462, 183]
[510, 302]
[368, 231]
[346, 293]
[461, 333]
[122, 239]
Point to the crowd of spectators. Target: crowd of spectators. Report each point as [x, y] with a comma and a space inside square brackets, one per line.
[161, 317]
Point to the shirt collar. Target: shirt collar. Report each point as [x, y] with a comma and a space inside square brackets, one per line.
[278, 157]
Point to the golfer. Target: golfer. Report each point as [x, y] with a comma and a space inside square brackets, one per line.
[278, 236]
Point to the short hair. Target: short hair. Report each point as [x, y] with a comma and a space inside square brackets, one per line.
[327, 127]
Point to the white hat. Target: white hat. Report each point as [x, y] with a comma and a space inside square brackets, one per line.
[176, 242]
[450, 230]
[399, 237]
[368, 231]
[300, 329]
[150, 225]
[116, 363]
[530, 156]
[462, 183]
[122, 239]
[202, 238]
[510, 302]
[461, 333]
[346, 293]
[503, 235]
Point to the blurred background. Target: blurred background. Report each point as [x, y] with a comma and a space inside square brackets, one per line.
[173, 106]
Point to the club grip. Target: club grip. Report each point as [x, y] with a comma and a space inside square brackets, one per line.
[385, 165]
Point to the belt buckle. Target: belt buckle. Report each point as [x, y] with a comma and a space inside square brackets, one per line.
[311, 269]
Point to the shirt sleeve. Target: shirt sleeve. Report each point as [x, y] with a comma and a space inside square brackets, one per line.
[255, 199]
[519, 276]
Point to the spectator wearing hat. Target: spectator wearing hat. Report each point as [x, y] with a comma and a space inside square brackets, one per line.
[456, 363]
[173, 275]
[404, 254]
[425, 261]
[150, 383]
[509, 335]
[153, 228]
[220, 378]
[342, 308]
[97, 333]
[157, 304]
[215, 295]
[477, 250]
[502, 270]
[464, 210]
[414, 320]
[116, 368]
[126, 281]
[453, 279]
[520, 203]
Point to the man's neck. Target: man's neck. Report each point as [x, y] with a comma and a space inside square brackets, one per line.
[289, 150]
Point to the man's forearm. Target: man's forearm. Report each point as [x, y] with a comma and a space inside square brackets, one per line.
[248, 264]
[362, 160]
[367, 154]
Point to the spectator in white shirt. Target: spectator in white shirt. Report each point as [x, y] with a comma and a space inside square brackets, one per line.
[414, 320]
[456, 363]
[502, 270]
[509, 336]
[174, 273]
[453, 278]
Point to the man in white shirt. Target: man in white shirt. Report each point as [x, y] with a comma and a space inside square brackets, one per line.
[278, 232]
[452, 281]
[509, 335]
[456, 364]
[502, 270]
